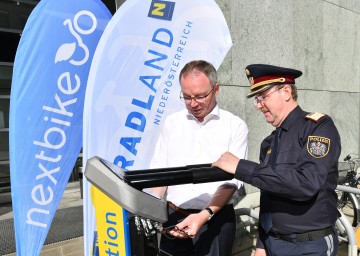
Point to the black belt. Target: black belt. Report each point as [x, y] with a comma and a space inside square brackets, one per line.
[308, 236]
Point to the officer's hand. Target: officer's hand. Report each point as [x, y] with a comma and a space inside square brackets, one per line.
[228, 162]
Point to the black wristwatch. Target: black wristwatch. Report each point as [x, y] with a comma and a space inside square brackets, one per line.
[210, 212]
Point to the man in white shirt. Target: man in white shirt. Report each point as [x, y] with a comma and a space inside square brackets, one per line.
[196, 135]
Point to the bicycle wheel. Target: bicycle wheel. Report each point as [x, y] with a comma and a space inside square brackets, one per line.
[349, 205]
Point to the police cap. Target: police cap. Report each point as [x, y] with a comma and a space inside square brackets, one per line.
[262, 77]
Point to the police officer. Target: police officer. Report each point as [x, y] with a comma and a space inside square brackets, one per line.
[297, 174]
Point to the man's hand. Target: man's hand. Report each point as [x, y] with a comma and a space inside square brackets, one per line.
[191, 225]
[260, 252]
[227, 162]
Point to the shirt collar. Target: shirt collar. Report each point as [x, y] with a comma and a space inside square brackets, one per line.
[214, 114]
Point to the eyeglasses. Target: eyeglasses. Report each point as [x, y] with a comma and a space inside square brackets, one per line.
[261, 99]
[198, 99]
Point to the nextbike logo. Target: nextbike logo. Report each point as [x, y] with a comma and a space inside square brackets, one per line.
[67, 50]
[161, 10]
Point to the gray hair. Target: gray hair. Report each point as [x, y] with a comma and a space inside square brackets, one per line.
[196, 66]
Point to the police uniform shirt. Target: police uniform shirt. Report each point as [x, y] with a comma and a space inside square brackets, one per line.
[301, 186]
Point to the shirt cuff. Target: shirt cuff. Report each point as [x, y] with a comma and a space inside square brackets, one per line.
[245, 170]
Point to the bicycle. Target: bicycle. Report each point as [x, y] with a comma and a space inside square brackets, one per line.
[348, 202]
[348, 191]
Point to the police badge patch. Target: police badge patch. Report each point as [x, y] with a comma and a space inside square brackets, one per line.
[318, 146]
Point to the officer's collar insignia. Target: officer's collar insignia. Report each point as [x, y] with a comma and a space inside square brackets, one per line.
[315, 116]
[318, 146]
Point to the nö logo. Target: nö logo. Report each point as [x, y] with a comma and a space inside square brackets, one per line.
[161, 10]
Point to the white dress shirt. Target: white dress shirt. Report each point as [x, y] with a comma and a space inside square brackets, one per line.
[185, 141]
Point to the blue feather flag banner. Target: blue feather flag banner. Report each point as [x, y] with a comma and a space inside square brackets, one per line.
[50, 75]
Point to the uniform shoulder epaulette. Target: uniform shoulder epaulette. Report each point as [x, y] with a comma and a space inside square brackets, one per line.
[315, 116]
